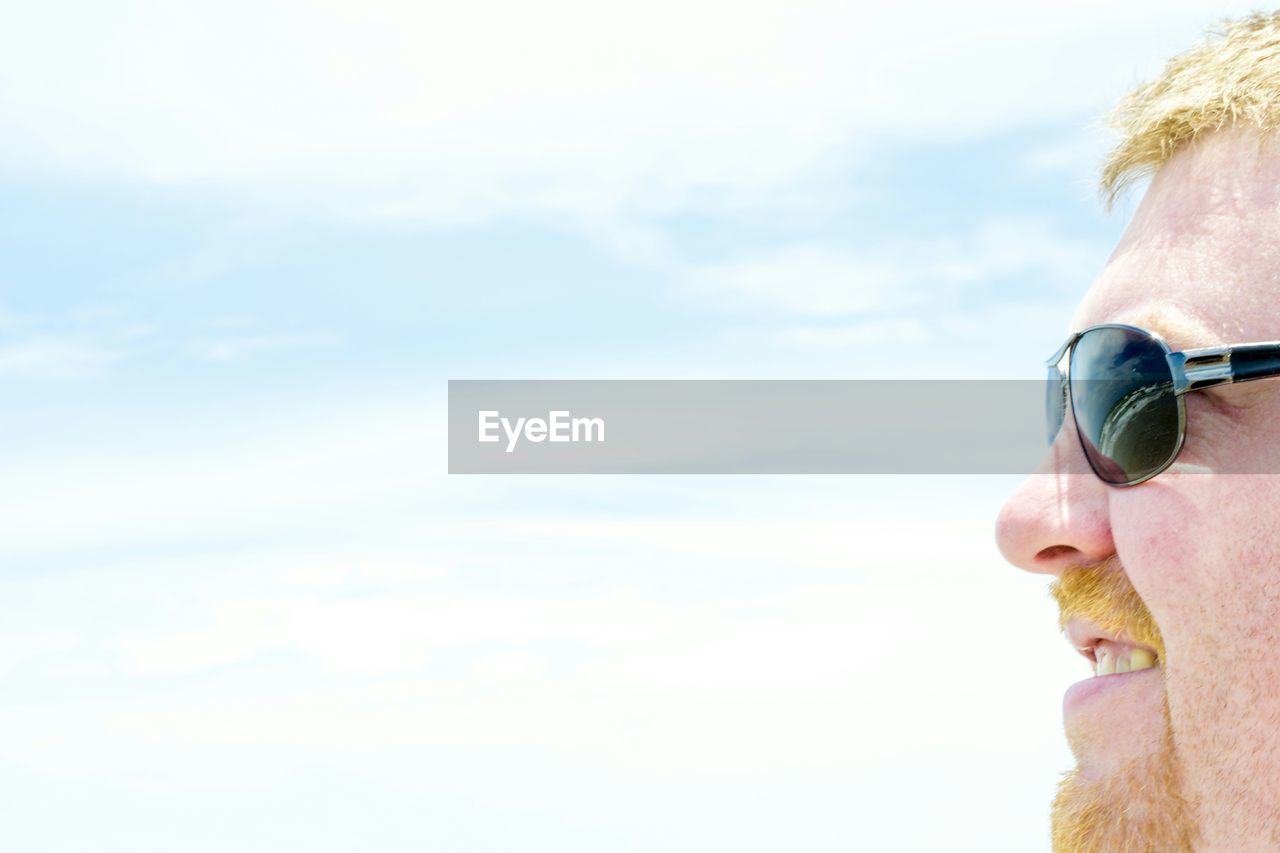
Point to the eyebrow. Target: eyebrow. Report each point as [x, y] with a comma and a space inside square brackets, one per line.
[1178, 333]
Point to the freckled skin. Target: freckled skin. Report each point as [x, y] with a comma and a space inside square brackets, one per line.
[1200, 263]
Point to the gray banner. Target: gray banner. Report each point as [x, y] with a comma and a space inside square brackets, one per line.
[746, 427]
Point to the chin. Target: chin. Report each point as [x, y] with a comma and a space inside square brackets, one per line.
[1134, 805]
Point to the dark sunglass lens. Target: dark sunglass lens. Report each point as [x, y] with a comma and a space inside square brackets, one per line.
[1124, 404]
[1055, 402]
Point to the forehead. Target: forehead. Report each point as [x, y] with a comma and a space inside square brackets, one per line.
[1200, 262]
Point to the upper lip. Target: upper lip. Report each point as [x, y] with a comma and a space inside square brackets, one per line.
[1085, 637]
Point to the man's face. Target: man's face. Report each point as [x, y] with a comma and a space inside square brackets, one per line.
[1199, 264]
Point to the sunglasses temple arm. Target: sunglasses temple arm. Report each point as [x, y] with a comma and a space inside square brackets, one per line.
[1204, 368]
[1254, 361]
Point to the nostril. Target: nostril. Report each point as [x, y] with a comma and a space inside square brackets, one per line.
[1055, 552]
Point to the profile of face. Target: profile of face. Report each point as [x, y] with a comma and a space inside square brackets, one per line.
[1172, 586]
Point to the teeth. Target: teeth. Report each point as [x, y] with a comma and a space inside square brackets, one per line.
[1107, 662]
[1141, 659]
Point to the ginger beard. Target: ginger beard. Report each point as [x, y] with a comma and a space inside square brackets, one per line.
[1126, 790]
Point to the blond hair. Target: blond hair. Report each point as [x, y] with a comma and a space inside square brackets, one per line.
[1230, 78]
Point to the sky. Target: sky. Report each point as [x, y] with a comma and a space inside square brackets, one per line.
[243, 247]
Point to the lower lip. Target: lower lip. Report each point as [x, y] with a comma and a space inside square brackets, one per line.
[1096, 689]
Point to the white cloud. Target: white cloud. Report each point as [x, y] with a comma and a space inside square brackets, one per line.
[467, 110]
[211, 481]
[852, 335]
[813, 281]
[806, 279]
[796, 629]
[49, 357]
[238, 347]
[17, 647]
[480, 639]
[1078, 156]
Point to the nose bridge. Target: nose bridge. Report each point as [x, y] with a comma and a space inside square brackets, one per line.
[1060, 515]
[1059, 375]
[1055, 360]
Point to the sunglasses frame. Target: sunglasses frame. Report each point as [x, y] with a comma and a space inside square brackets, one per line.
[1191, 370]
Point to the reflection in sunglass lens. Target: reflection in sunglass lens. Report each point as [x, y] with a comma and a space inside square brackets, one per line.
[1124, 404]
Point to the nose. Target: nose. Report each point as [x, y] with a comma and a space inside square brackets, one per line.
[1059, 516]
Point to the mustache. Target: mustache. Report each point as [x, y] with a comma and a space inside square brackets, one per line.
[1100, 593]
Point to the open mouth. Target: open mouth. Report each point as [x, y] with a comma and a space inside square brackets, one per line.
[1109, 653]
[1116, 661]
[1109, 657]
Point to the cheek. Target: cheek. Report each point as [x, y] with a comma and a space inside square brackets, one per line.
[1153, 526]
[1202, 551]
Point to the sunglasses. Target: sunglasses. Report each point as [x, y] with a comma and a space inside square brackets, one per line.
[1126, 389]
